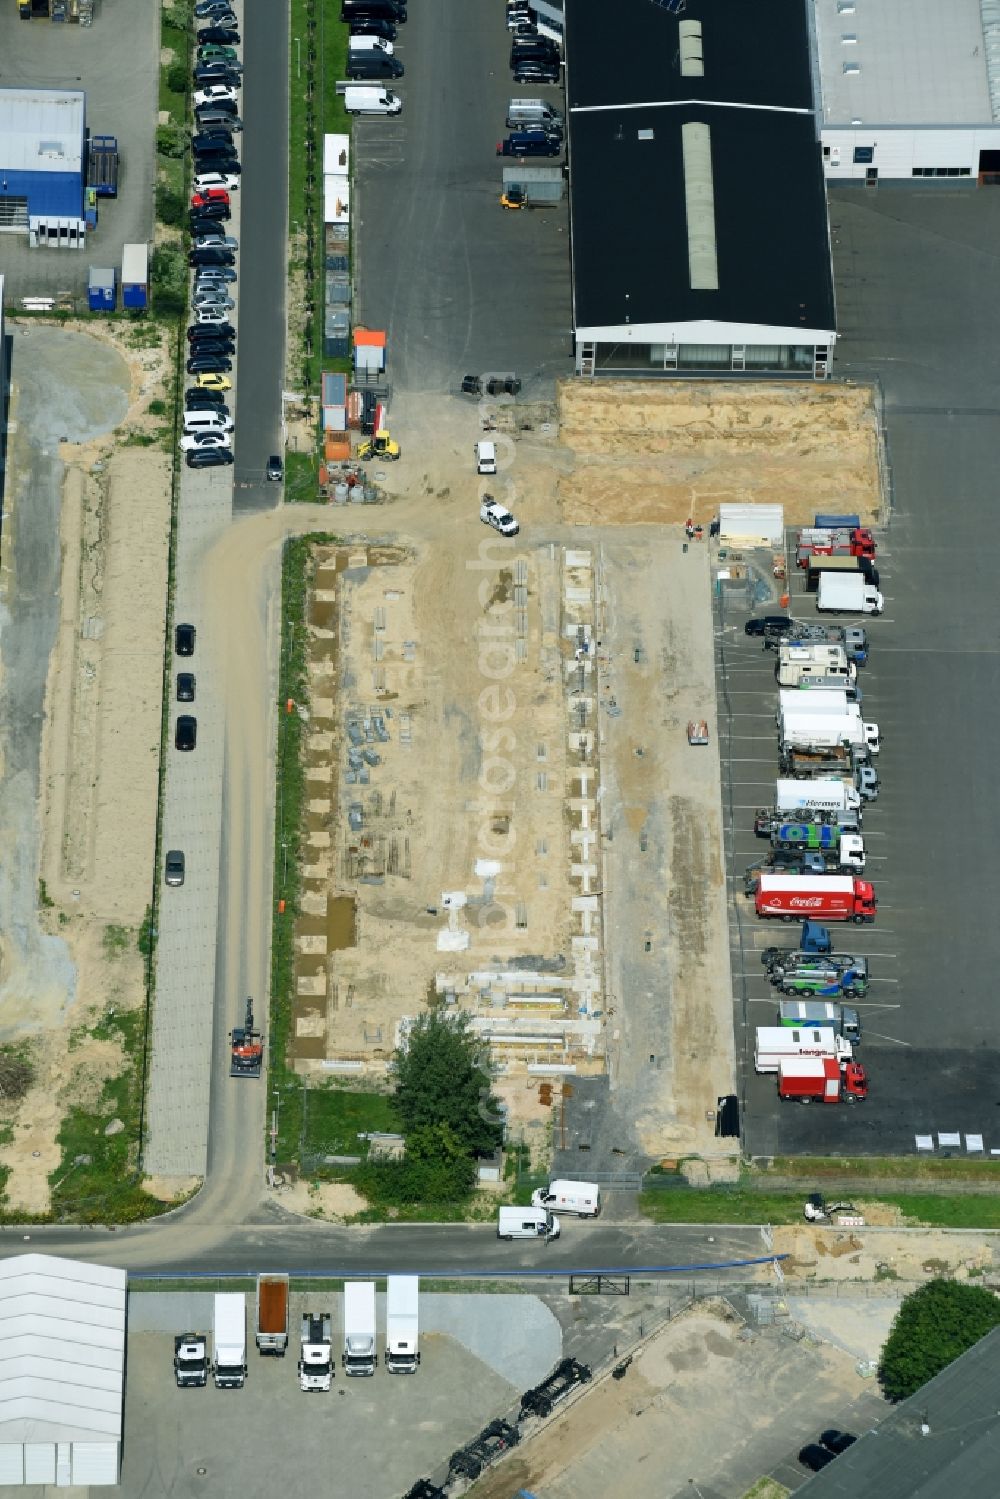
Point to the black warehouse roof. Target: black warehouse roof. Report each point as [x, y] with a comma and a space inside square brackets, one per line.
[696, 195]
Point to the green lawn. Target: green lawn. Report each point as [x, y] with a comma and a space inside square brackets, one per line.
[920, 1168]
[301, 478]
[336, 1115]
[741, 1205]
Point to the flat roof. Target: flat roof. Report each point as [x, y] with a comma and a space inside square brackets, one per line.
[696, 184]
[62, 1350]
[42, 130]
[754, 54]
[959, 1455]
[911, 62]
[630, 221]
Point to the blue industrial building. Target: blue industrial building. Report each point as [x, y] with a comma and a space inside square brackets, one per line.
[43, 163]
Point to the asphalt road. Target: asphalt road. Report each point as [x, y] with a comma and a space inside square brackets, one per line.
[191, 1241]
[460, 285]
[260, 357]
[915, 274]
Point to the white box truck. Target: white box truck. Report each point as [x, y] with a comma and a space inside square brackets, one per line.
[816, 796]
[774, 1042]
[527, 1223]
[359, 1327]
[315, 1351]
[831, 701]
[229, 1368]
[580, 1198]
[844, 593]
[402, 1297]
[828, 730]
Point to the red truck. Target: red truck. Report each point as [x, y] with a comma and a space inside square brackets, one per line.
[805, 1079]
[815, 541]
[819, 897]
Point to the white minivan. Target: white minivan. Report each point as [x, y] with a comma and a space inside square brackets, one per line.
[486, 457]
[527, 1223]
[581, 1198]
[371, 101]
[207, 421]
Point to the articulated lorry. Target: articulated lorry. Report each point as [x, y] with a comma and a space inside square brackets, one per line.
[359, 1357]
[766, 820]
[773, 1042]
[229, 1368]
[402, 1298]
[831, 897]
[819, 764]
[315, 1351]
[824, 730]
[838, 594]
[272, 1314]
[821, 981]
[830, 795]
[191, 1360]
[821, 1080]
[844, 1020]
[820, 541]
[784, 833]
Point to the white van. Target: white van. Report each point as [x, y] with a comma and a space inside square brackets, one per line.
[486, 457]
[496, 516]
[527, 1223]
[207, 421]
[581, 1198]
[371, 101]
[533, 114]
[370, 44]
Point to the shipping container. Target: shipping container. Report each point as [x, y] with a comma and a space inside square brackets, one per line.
[135, 276]
[102, 290]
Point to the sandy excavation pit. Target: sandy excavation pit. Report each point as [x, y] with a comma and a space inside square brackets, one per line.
[662, 452]
[438, 833]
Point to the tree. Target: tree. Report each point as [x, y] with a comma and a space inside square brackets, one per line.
[177, 78]
[440, 1081]
[932, 1328]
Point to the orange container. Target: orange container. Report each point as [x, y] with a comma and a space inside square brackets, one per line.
[336, 449]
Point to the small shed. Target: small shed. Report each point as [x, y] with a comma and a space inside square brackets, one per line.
[334, 402]
[135, 275]
[336, 199]
[752, 525]
[336, 155]
[539, 184]
[62, 1375]
[369, 350]
[102, 289]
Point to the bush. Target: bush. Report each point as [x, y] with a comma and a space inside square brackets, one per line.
[171, 140]
[177, 78]
[16, 1075]
[170, 206]
[168, 270]
[933, 1327]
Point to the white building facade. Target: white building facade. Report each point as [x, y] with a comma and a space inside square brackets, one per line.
[909, 90]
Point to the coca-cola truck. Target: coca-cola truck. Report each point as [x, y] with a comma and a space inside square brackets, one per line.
[830, 897]
[808, 1079]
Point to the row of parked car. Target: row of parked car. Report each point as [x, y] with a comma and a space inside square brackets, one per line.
[534, 53]
[371, 47]
[208, 421]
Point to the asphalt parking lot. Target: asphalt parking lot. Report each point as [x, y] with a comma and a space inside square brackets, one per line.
[915, 294]
[385, 1431]
[461, 285]
[115, 62]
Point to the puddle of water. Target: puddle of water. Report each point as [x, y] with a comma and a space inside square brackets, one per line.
[341, 922]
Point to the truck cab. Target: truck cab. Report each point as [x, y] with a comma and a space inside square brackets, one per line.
[191, 1360]
[315, 1352]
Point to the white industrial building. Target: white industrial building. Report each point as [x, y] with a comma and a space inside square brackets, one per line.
[62, 1372]
[910, 89]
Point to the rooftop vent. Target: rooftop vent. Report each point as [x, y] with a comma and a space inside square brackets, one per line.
[645, 135]
[852, 67]
[692, 52]
[699, 202]
[845, 7]
[850, 38]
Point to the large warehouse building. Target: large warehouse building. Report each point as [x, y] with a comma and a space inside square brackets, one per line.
[910, 89]
[698, 217]
[62, 1372]
[43, 164]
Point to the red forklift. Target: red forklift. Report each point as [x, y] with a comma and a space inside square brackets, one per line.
[246, 1047]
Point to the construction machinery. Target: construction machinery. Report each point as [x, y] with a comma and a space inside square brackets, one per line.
[514, 197]
[246, 1047]
[380, 445]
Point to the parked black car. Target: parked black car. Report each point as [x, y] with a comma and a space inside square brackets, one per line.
[184, 638]
[815, 1457]
[209, 364]
[837, 1441]
[536, 70]
[224, 35]
[209, 457]
[206, 400]
[374, 26]
[211, 257]
[185, 686]
[769, 624]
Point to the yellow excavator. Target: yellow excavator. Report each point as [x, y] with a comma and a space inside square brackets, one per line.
[379, 446]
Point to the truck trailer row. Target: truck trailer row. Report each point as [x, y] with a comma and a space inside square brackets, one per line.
[317, 1359]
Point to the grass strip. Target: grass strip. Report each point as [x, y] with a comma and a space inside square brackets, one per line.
[747, 1205]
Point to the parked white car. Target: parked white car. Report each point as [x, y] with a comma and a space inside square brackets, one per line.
[228, 180]
[197, 440]
[213, 94]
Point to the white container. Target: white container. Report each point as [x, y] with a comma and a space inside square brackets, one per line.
[402, 1298]
[229, 1368]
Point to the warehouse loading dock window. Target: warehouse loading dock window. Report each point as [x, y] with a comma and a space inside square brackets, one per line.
[863, 155]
